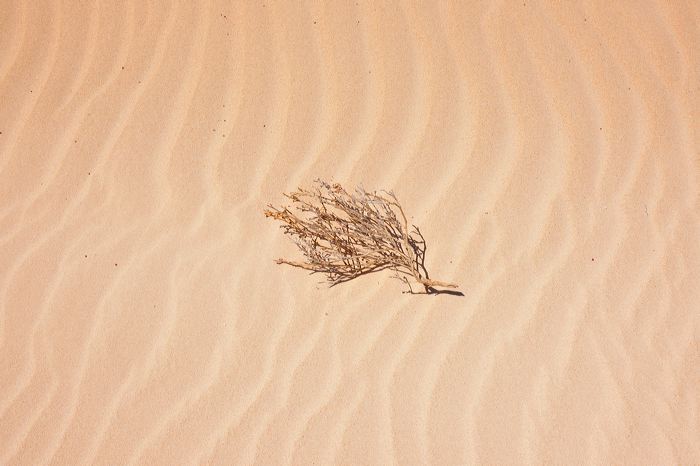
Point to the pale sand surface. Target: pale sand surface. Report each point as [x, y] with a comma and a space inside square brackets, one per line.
[550, 154]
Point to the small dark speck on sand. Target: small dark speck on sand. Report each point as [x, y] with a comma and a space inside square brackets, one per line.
[85, 255]
[592, 259]
[115, 264]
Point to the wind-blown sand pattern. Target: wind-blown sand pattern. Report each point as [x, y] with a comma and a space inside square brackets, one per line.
[549, 153]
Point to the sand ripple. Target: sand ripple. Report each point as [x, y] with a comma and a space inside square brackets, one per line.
[549, 153]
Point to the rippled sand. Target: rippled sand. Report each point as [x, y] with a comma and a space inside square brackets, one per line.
[549, 153]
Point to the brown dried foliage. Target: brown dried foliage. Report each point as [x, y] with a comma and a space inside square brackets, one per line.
[345, 235]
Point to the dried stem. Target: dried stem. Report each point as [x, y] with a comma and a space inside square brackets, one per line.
[345, 235]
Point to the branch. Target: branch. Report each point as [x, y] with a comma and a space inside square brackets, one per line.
[347, 235]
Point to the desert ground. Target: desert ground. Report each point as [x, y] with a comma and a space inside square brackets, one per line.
[548, 151]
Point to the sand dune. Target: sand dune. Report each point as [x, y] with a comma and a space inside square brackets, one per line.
[549, 154]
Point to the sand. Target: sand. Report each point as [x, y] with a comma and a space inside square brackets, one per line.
[549, 153]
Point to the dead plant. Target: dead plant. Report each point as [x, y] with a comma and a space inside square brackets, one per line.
[345, 235]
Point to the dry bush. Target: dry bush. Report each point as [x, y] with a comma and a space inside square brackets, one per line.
[345, 235]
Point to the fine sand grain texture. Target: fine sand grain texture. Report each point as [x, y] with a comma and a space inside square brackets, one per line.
[550, 153]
